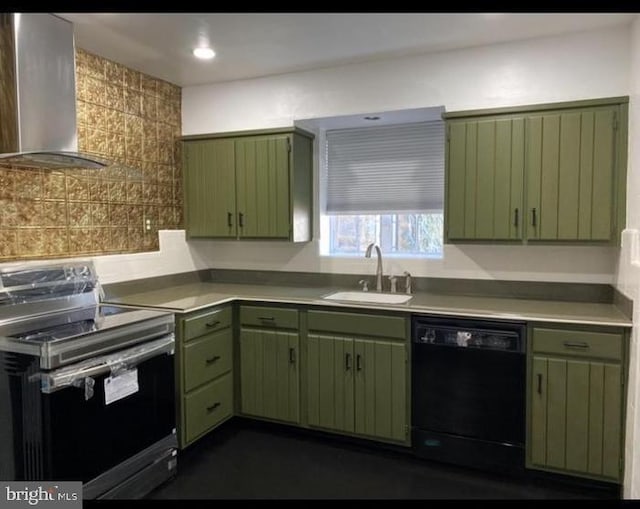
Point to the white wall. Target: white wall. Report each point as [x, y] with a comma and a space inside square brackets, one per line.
[628, 275]
[578, 66]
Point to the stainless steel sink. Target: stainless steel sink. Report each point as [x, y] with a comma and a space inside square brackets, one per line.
[380, 298]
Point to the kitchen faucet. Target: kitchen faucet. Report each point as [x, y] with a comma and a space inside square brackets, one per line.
[379, 268]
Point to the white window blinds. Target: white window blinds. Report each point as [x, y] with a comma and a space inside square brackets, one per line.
[386, 169]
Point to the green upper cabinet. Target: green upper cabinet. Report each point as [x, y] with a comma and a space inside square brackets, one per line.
[542, 173]
[262, 186]
[570, 166]
[249, 185]
[209, 174]
[485, 172]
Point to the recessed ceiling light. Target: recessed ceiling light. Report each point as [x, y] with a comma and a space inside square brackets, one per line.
[204, 53]
[372, 118]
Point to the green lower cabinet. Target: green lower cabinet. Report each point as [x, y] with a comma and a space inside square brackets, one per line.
[207, 407]
[330, 372]
[357, 386]
[204, 372]
[576, 409]
[269, 374]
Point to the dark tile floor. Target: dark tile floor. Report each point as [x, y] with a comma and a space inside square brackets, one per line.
[247, 460]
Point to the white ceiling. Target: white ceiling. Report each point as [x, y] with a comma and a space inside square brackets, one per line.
[250, 45]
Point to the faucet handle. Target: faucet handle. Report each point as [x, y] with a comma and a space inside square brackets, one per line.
[407, 280]
[392, 282]
[365, 285]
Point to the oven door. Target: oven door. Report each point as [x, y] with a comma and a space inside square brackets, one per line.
[93, 421]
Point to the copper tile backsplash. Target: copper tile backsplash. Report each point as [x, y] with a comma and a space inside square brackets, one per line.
[127, 117]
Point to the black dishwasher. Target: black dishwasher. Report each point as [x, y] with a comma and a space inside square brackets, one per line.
[468, 392]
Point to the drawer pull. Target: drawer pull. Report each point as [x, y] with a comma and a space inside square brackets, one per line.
[358, 362]
[266, 318]
[539, 383]
[212, 407]
[534, 220]
[576, 344]
[212, 324]
[213, 359]
[347, 362]
[292, 355]
[229, 218]
[515, 217]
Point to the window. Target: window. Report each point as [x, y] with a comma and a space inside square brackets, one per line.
[385, 185]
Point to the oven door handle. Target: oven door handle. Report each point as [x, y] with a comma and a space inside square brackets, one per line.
[76, 374]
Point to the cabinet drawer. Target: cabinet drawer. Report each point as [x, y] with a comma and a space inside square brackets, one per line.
[578, 343]
[207, 357]
[261, 316]
[358, 324]
[204, 323]
[207, 406]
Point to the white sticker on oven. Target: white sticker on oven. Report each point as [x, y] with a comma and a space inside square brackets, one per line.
[121, 386]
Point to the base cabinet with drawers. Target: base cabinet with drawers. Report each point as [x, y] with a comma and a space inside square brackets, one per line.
[205, 384]
[269, 342]
[348, 372]
[357, 374]
[576, 398]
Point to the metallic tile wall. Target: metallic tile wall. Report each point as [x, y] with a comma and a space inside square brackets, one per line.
[125, 116]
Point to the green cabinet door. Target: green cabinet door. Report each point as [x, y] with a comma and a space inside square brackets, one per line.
[262, 183]
[269, 374]
[357, 385]
[209, 187]
[485, 167]
[576, 416]
[330, 367]
[570, 166]
[380, 389]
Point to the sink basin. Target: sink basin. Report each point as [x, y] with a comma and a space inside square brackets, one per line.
[381, 298]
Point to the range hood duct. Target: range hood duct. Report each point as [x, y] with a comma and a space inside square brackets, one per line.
[38, 96]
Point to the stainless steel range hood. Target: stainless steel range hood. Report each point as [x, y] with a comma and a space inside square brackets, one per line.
[38, 96]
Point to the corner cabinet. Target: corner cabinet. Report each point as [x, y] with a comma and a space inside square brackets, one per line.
[576, 401]
[552, 172]
[357, 374]
[204, 357]
[269, 363]
[249, 185]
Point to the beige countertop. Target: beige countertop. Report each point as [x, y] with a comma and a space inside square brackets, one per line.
[195, 296]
